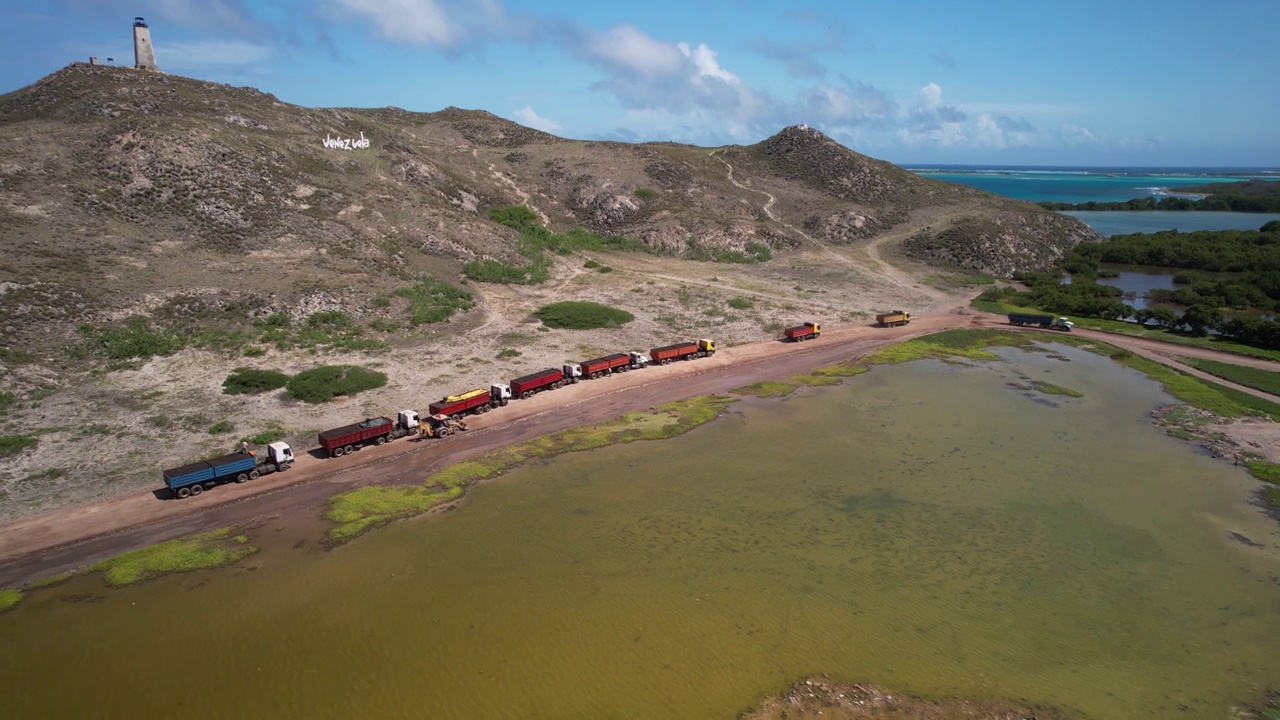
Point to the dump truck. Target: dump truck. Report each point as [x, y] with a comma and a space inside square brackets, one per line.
[346, 439]
[1048, 322]
[237, 467]
[475, 401]
[893, 319]
[549, 379]
[617, 362]
[807, 331]
[683, 351]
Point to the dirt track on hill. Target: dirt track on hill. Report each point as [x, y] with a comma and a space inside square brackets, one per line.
[67, 539]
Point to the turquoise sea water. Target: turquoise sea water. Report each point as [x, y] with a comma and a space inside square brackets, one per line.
[1078, 185]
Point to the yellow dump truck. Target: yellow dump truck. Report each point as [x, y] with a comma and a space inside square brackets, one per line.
[893, 319]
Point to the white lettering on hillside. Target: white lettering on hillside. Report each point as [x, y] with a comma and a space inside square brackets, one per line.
[341, 143]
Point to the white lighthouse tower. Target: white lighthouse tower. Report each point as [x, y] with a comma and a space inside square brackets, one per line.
[144, 58]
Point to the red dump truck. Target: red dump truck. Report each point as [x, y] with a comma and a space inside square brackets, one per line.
[473, 401]
[807, 331]
[683, 351]
[340, 441]
[549, 379]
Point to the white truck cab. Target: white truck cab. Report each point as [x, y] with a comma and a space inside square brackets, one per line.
[1064, 324]
[639, 359]
[280, 454]
[572, 372]
[500, 393]
[407, 420]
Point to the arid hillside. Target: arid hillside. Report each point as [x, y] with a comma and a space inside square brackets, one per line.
[161, 231]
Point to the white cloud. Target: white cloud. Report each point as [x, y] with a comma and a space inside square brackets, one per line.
[443, 24]
[1001, 132]
[627, 49]
[528, 117]
[1077, 135]
[207, 53]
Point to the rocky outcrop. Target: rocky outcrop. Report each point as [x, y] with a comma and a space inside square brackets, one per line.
[1003, 243]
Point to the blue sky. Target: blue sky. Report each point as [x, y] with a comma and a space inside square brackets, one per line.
[1175, 83]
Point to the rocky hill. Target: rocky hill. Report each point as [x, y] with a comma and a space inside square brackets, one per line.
[150, 215]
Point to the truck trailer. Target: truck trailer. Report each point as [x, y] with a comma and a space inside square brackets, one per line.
[238, 467]
[549, 379]
[1048, 322]
[594, 368]
[893, 319]
[346, 439]
[807, 331]
[683, 351]
[473, 401]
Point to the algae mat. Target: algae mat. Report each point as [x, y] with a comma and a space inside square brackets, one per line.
[937, 529]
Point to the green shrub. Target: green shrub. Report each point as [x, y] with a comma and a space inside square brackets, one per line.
[251, 381]
[508, 353]
[741, 303]
[432, 301]
[220, 427]
[14, 444]
[324, 383]
[582, 315]
[133, 339]
[645, 193]
[591, 265]
[266, 437]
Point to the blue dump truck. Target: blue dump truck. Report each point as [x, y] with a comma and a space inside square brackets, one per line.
[238, 467]
[1048, 322]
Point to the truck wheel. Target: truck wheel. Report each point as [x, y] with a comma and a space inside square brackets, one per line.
[336, 452]
[242, 477]
[503, 402]
[525, 395]
[196, 489]
[382, 440]
[254, 474]
[347, 449]
[183, 492]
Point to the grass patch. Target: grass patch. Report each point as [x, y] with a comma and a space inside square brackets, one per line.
[324, 383]
[266, 437]
[14, 444]
[9, 598]
[741, 303]
[1256, 378]
[197, 552]
[359, 511]
[752, 252]
[971, 344]
[534, 244]
[50, 581]
[1217, 399]
[505, 353]
[432, 301]
[1268, 472]
[252, 381]
[582, 315]
[1051, 389]
[829, 375]
[7, 399]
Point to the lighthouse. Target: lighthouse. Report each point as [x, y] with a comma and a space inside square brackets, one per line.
[144, 58]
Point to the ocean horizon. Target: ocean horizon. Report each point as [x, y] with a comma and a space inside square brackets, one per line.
[1066, 184]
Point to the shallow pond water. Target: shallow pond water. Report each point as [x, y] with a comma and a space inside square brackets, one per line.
[938, 529]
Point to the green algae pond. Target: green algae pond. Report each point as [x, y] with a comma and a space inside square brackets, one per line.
[1013, 528]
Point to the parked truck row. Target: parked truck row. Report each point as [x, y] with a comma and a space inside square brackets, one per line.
[443, 417]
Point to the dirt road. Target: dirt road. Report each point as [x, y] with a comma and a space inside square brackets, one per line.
[64, 540]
